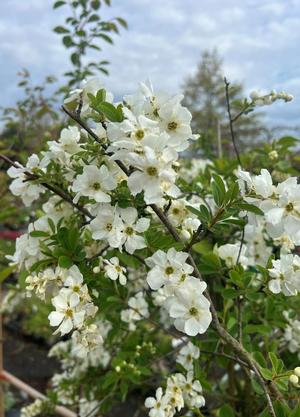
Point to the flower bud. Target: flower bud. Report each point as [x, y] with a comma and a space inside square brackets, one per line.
[96, 270]
[273, 155]
[297, 371]
[294, 379]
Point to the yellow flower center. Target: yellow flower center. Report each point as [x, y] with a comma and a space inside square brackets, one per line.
[172, 126]
[152, 171]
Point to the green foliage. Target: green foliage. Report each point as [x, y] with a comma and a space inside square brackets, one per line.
[84, 31]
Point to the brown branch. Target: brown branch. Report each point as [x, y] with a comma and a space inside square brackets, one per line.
[227, 84]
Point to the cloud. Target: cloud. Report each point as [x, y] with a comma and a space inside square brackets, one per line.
[258, 41]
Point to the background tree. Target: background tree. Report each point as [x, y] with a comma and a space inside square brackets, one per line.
[205, 97]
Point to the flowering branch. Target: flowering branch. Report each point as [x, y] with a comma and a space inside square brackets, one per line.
[236, 346]
[56, 190]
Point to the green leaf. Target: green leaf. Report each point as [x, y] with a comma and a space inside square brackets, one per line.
[251, 208]
[58, 4]
[259, 357]
[60, 29]
[67, 41]
[6, 272]
[122, 22]
[258, 328]
[226, 411]
[95, 4]
[287, 141]
[110, 111]
[75, 59]
[106, 38]
[266, 373]
[65, 262]
[38, 233]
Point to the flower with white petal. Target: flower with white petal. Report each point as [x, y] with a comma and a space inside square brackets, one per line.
[67, 144]
[176, 121]
[285, 275]
[114, 270]
[187, 354]
[108, 226]
[190, 308]
[155, 175]
[21, 186]
[192, 391]
[157, 404]
[138, 310]
[232, 254]
[167, 268]
[132, 227]
[95, 183]
[86, 340]
[74, 282]
[132, 133]
[68, 314]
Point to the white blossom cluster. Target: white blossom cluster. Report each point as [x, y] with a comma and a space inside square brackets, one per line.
[267, 99]
[72, 302]
[186, 222]
[285, 275]
[119, 227]
[76, 358]
[28, 250]
[181, 294]
[35, 408]
[279, 203]
[180, 391]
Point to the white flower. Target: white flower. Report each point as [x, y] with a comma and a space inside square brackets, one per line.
[192, 391]
[67, 144]
[190, 308]
[138, 310]
[174, 394]
[154, 176]
[94, 183]
[114, 271]
[67, 315]
[187, 354]
[74, 282]
[169, 267]
[157, 404]
[108, 226]
[230, 254]
[286, 275]
[176, 120]
[262, 184]
[86, 340]
[178, 212]
[131, 229]
[21, 186]
[133, 132]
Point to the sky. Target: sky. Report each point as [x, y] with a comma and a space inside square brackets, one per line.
[258, 39]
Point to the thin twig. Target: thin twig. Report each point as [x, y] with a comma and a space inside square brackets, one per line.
[227, 84]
